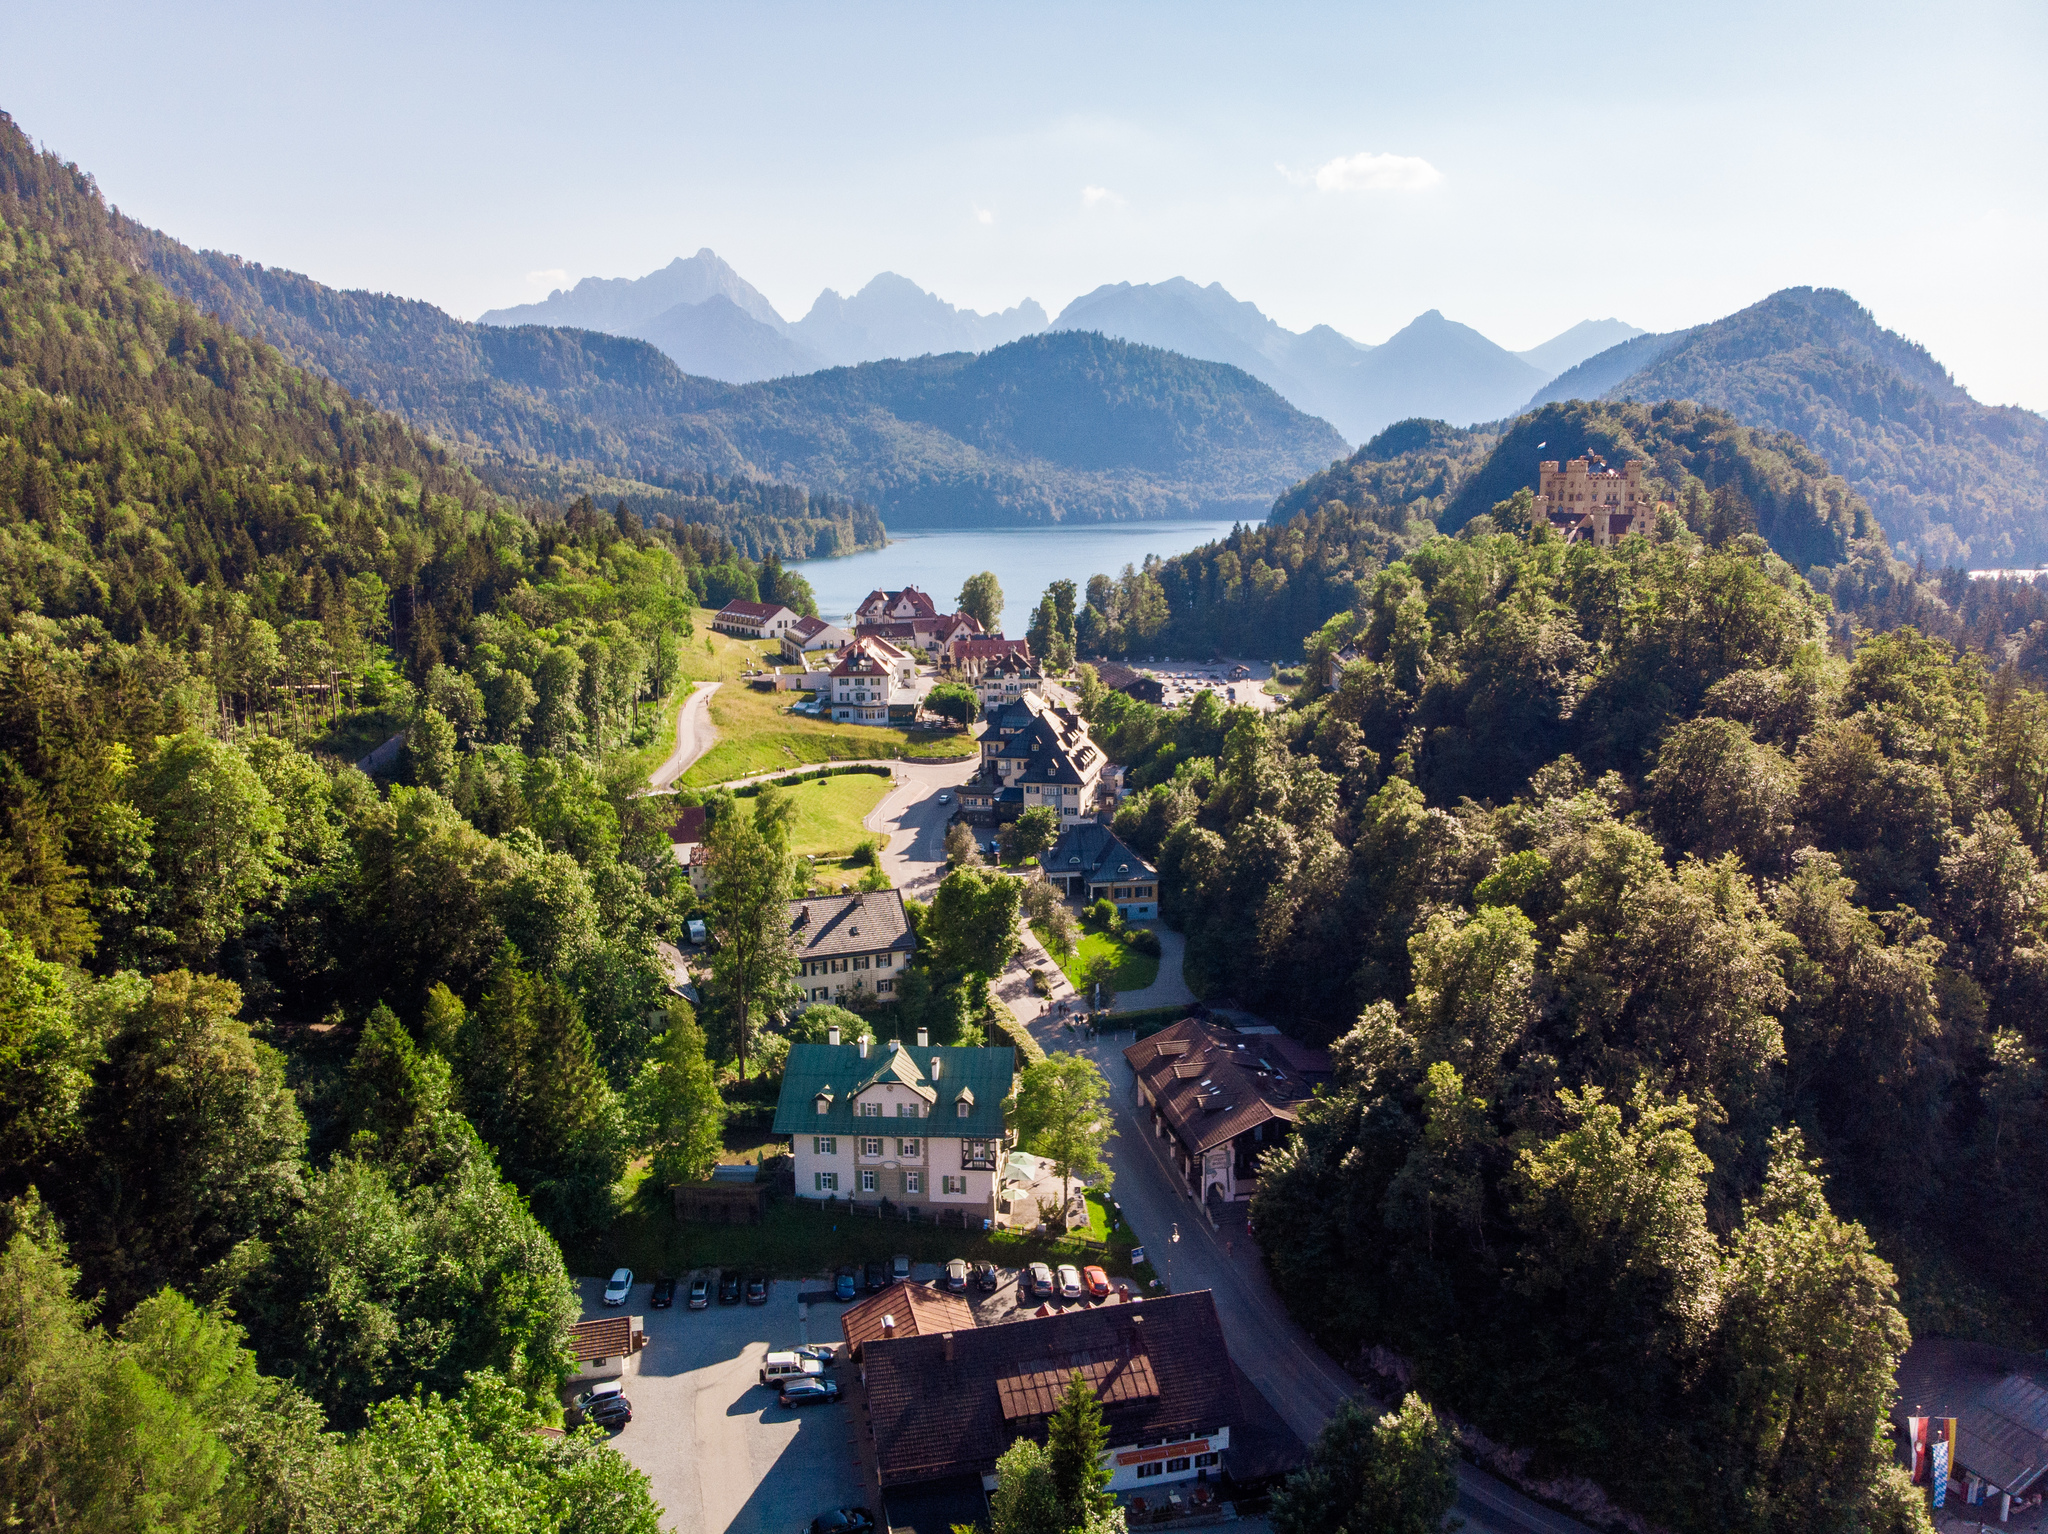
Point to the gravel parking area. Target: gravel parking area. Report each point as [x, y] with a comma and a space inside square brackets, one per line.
[721, 1454]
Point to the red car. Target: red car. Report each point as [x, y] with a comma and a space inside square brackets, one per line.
[1096, 1282]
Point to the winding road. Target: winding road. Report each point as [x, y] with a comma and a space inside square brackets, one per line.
[694, 736]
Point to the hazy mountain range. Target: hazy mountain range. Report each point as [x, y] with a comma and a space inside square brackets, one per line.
[715, 324]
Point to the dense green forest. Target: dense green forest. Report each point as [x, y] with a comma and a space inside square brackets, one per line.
[1953, 481]
[1059, 427]
[1669, 938]
[305, 1073]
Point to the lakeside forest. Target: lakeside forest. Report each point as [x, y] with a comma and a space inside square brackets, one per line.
[1675, 914]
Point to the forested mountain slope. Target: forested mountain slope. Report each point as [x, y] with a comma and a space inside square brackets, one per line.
[1112, 431]
[1659, 942]
[1952, 481]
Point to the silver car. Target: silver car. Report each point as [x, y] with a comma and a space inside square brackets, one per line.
[1070, 1281]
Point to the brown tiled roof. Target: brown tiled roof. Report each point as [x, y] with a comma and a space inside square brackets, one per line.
[688, 826]
[982, 648]
[751, 609]
[601, 1337]
[917, 1309]
[937, 1404]
[1213, 1084]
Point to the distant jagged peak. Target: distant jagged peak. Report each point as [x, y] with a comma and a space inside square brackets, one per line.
[619, 305]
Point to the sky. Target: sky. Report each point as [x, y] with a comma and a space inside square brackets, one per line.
[1517, 167]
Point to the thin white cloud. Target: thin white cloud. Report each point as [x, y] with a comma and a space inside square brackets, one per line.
[553, 274]
[1369, 172]
[1100, 197]
[984, 215]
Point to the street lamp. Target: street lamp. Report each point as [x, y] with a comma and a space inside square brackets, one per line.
[1171, 1242]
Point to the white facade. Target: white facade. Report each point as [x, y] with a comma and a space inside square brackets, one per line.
[898, 1151]
[830, 979]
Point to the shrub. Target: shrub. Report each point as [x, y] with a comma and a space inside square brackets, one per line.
[1142, 940]
[1103, 914]
[867, 853]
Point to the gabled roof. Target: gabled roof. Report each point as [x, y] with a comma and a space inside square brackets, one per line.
[807, 627]
[912, 1310]
[1091, 846]
[688, 826]
[945, 1404]
[922, 605]
[756, 610]
[601, 1337]
[829, 926]
[837, 1073]
[1212, 1084]
[1999, 1398]
[986, 648]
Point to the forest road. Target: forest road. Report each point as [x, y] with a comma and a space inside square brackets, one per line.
[694, 736]
[1303, 1383]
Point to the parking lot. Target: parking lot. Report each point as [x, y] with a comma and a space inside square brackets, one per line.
[721, 1453]
[1183, 681]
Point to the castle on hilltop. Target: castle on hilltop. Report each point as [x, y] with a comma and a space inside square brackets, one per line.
[1586, 499]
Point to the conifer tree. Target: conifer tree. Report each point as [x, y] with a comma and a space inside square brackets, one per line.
[1075, 1440]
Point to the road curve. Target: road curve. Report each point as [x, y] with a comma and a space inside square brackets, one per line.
[694, 736]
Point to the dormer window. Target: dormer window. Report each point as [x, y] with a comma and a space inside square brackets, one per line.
[963, 1109]
[824, 1101]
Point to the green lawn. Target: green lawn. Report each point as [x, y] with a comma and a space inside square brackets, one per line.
[757, 733]
[799, 1239]
[1134, 970]
[829, 813]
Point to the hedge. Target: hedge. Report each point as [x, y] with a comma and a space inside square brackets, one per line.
[875, 769]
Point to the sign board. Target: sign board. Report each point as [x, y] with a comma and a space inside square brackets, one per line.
[1163, 1451]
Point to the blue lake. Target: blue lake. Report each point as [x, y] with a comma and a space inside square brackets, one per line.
[1025, 559]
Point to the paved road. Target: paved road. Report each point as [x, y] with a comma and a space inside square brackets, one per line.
[1303, 1383]
[694, 736]
[1169, 990]
[914, 821]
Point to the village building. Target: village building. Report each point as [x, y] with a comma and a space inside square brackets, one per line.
[1006, 679]
[895, 606]
[1221, 1099]
[606, 1347]
[928, 637]
[904, 1309]
[809, 635]
[1033, 754]
[968, 656]
[1995, 1401]
[943, 1406]
[1089, 863]
[1585, 500]
[850, 943]
[1136, 684]
[865, 682]
[753, 620]
[687, 846]
[922, 1127]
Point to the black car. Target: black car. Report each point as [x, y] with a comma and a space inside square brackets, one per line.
[728, 1288]
[877, 1276]
[986, 1278]
[811, 1391]
[611, 1414]
[757, 1288]
[843, 1520]
[664, 1294]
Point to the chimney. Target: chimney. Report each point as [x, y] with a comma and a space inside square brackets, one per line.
[949, 1347]
[832, 1034]
[924, 1038]
[888, 1326]
[894, 1045]
[863, 1049]
[935, 1065]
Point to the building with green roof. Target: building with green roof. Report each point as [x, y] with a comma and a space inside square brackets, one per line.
[920, 1125]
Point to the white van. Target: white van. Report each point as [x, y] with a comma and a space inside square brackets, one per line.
[777, 1367]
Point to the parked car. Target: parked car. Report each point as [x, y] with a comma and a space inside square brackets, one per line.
[664, 1294]
[757, 1288]
[986, 1277]
[945, 798]
[1096, 1282]
[610, 1414]
[821, 1353]
[783, 1367]
[619, 1287]
[809, 1392]
[899, 1268]
[609, 1396]
[843, 1520]
[877, 1276]
[729, 1287]
[846, 1283]
[700, 1293]
[1070, 1281]
[1041, 1282]
[956, 1275]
